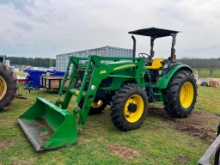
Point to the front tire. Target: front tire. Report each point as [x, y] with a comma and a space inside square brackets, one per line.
[180, 95]
[97, 106]
[8, 86]
[129, 107]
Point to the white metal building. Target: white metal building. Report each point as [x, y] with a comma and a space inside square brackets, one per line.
[109, 51]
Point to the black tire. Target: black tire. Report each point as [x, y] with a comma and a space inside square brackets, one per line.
[180, 95]
[8, 86]
[96, 108]
[129, 107]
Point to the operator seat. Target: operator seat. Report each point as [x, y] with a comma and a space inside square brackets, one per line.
[156, 65]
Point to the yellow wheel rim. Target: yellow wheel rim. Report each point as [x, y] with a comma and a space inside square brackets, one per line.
[138, 101]
[97, 104]
[186, 94]
[3, 87]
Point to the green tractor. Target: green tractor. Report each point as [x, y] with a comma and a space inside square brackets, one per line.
[8, 85]
[127, 84]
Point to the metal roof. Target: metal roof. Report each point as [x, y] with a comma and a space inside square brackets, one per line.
[154, 32]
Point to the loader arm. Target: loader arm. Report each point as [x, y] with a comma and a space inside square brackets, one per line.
[97, 70]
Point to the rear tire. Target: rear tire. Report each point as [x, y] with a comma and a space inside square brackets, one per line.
[129, 107]
[8, 86]
[180, 95]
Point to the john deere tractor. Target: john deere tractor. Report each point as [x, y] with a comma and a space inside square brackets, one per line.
[127, 84]
[8, 85]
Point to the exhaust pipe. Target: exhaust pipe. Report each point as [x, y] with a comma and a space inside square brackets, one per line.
[134, 45]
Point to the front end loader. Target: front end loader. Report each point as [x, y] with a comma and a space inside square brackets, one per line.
[127, 84]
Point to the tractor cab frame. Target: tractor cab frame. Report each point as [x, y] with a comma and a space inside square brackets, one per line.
[155, 33]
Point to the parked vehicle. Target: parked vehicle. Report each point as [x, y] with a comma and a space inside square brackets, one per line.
[8, 85]
[128, 84]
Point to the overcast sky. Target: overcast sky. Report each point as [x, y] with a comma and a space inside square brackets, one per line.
[45, 28]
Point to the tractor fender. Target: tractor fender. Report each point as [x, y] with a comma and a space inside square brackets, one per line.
[168, 73]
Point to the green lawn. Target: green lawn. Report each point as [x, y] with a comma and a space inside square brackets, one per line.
[208, 99]
[205, 73]
[160, 140]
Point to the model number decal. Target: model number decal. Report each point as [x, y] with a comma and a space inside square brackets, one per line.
[124, 66]
[102, 72]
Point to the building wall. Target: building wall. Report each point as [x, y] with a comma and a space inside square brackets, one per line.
[108, 51]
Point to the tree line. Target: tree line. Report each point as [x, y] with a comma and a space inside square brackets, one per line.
[38, 62]
[210, 64]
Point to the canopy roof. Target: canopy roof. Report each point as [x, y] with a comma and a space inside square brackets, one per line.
[154, 32]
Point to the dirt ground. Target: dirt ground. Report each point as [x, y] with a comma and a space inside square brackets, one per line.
[198, 124]
[6, 143]
[125, 153]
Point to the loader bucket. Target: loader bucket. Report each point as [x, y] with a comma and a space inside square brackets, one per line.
[47, 126]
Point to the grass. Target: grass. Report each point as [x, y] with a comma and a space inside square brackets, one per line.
[204, 73]
[155, 142]
[208, 99]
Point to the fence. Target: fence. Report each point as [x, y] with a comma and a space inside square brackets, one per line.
[213, 150]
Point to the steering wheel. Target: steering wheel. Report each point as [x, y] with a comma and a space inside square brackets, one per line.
[143, 55]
